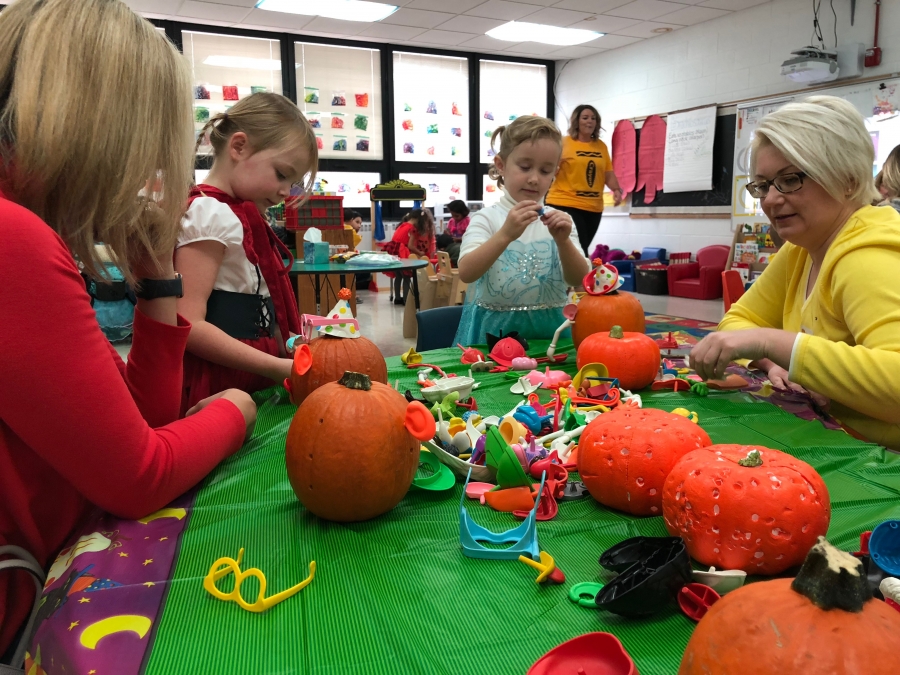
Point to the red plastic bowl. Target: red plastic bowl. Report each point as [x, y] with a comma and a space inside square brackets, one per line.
[590, 654]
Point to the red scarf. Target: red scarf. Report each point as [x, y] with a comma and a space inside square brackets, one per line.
[265, 250]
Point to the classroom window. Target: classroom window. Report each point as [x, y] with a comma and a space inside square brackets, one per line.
[507, 91]
[353, 186]
[227, 68]
[431, 108]
[339, 90]
[440, 188]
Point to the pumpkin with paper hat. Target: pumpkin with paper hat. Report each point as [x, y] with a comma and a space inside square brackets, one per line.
[339, 347]
[604, 306]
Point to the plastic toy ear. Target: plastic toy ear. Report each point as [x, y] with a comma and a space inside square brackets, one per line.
[569, 311]
[302, 359]
[287, 385]
[419, 421]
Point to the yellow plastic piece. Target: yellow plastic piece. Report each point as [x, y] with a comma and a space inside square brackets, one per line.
[683, 371]
[690, 414]
[411, 357]
[456, 425]
[545, 566]
[512, 430]
[262, 603]
[601, 408]
[590, 370]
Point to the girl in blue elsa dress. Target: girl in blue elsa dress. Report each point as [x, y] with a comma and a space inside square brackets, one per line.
[518, 256]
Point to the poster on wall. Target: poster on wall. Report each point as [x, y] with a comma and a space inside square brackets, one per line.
[508, 91]
[354, 187]
[431, 108]
[440, 188]
[689, 150]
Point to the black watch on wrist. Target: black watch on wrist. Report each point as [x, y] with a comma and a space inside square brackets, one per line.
[151, 289]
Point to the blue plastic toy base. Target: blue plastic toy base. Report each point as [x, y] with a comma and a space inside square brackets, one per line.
[884, 546]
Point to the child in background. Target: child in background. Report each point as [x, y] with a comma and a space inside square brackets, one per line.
[237, 293]
[446, 242]
[414, 236]
[353, 221]
[459, 219]
[518, 256]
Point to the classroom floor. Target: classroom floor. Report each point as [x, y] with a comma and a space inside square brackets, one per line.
[382, 321]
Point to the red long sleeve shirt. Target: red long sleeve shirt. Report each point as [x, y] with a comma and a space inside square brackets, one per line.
[78, 427]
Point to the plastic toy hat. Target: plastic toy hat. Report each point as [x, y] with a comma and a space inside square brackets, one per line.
[602, 280]
[340, 311]
[232, 566]
[506, 350]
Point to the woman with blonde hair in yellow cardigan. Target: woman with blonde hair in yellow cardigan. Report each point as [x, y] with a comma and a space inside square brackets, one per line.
[825, 315]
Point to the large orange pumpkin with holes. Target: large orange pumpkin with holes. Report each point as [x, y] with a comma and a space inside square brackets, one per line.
[633, 358]
[749, 508]
[625, 455]
[599, 313]
[823, 621]
[352, 448]
[326, 359]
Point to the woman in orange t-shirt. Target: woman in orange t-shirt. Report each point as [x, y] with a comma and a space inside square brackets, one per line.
[584, 169]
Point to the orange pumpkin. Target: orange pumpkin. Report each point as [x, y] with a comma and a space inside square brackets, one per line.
[352, 448]
[599, 313]
[824, 621]
[625, 455]
[326, 359]
[746, 508]
[633, 358]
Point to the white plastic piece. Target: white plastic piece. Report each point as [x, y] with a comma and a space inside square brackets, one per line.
[890, 588]
[721, 581]
[524, 387]
[447, 385]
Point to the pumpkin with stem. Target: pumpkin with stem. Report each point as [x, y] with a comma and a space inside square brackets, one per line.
[633, 358]
[625, 455]
[824, 621]
[599, 313]
[326, 358]
[352, 448]
[746, 508]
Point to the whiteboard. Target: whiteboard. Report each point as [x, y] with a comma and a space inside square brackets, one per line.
[689, 150]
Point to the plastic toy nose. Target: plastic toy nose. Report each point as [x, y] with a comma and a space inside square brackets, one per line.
[302, 359]
[419, 421]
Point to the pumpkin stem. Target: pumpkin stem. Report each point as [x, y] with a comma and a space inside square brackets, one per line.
[832, 579]
[753, 458]
[353, 380]
[616, 333]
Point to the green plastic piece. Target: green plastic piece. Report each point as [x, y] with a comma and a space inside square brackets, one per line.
[501, 457]
[436, 476]
[585, 593]
[447, 406]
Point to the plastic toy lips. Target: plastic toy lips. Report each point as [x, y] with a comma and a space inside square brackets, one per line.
[591, 654]
[506, 350]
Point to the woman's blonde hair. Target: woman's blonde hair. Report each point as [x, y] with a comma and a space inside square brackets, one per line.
[526, 129]
[825, 137]
[890, 174]
[95, 107]
[270, 121]
[575, 121]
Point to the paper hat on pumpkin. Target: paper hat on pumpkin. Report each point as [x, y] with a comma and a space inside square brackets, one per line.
[602, 279]
[340, 311]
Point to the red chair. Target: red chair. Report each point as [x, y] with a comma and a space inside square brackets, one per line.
[732, 287]
[701, 280]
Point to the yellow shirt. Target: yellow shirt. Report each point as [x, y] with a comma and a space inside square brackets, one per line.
[849, 347]
[582, 175]
[356, 237]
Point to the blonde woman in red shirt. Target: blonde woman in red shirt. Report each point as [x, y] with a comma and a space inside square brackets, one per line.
[94, 105]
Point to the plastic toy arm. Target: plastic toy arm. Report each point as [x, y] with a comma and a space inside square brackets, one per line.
[551, 350]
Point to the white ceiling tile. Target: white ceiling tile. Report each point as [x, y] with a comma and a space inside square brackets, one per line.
[488, 43]
[323, 24]
[593, 6]
[615, 41]
[260, 17]
[645, 9]
[604, 23]
[733, 5]
[575, 52]
[221, 14]
[557, 17]
[155, 7]
[500, 9]
[443, 37]
[249, 4]
[645, 29]
[532, 49]
[459, 6]
[471, 24]
[690, 16]
[388, 32]
[417, 18]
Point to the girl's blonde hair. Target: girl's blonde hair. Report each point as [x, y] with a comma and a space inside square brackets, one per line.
[95, 108]
[270, 121]
[824, 136]
[890, 174]
[526, 129]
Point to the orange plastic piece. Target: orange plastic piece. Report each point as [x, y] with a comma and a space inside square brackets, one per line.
[511, 499]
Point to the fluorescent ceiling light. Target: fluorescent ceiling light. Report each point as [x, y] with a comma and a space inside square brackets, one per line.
[520, 31]
[346, 10]
[242, 62]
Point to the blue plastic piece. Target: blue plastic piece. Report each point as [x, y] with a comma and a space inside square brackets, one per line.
[523, 538]
[884, 546]
[528, 416]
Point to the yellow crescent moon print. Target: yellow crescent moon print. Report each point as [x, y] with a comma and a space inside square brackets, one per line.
[164, 513]
[91, 635]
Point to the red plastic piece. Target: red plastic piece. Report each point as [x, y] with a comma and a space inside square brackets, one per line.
[696, 599]
[557, 576]
[889, 602]
[547, 506]
[590, 654]
[864, 544]
[675, 384]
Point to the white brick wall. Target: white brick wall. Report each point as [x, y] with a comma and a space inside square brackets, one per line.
[734, 57]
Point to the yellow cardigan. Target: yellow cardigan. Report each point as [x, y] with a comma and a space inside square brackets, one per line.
[849, 347]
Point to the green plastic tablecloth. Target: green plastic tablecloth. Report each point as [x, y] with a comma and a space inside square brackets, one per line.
[396, 595]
